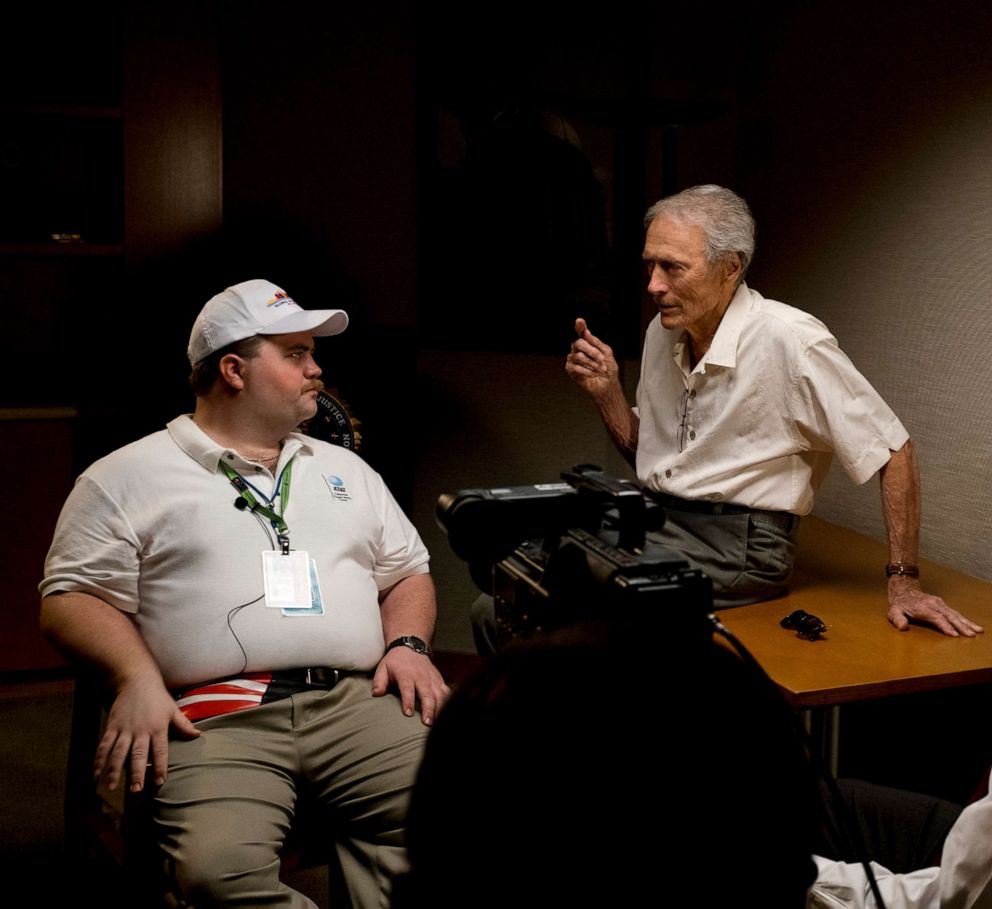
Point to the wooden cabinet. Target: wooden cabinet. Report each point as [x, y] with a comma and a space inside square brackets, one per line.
[36, 460]
[110, 167]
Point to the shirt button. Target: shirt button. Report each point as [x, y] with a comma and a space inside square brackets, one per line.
[258, 470]
[230, 457]
[692, 434]
[668, 473]
[692, 393]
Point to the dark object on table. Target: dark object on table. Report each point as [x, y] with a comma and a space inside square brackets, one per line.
[806, 625]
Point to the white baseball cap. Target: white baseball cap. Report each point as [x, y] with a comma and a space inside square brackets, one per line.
[256, 308]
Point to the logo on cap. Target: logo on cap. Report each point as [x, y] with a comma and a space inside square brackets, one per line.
[280, 298]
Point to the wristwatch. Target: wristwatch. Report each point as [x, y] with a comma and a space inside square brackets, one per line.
[418, 645]
[901, 570]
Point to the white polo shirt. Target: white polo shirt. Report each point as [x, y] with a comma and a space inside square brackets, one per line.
[153, 530]
[758, 419]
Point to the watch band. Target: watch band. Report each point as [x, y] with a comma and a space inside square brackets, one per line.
[418, 645]
[902, 570]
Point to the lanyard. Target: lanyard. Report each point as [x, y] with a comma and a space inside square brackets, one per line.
[277, 520]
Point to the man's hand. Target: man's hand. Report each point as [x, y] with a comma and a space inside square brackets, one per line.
[900, 480]
[908, 602]
[408, 608]
[137, 733]
[416, 678]
[591, 364]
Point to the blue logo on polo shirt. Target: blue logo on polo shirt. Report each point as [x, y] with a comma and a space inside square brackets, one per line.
[337, 486]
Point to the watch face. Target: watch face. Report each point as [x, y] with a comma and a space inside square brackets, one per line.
[413, 642]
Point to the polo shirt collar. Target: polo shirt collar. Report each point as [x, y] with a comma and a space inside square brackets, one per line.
[208, 453]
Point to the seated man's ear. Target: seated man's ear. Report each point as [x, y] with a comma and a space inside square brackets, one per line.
[231, 369]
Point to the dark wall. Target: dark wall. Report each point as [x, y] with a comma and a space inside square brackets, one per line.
[320, 192]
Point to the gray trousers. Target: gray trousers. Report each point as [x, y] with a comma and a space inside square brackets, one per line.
[748, 557]
[226, 807]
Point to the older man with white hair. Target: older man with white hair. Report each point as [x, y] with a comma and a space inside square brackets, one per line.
[741, 405]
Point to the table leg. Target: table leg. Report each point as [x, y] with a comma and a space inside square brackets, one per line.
[823, 726]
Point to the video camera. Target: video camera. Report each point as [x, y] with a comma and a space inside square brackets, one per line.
[584, 556]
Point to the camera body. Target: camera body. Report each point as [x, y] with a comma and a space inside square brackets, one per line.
[556, 554]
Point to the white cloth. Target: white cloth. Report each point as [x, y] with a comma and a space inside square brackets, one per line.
[761, 413]
[963, 880]
[153, 530]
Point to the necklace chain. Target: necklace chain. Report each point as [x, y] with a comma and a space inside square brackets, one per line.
[266, 458]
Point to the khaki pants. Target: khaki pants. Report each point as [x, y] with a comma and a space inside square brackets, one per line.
[227, 804]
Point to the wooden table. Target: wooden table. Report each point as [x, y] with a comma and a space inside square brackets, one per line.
[840, 578]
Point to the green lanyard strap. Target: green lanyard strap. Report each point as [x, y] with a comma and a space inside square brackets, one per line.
[244, 490]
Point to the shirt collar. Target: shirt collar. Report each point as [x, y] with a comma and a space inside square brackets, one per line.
[205, 451]
[680, 354]
[723, 348]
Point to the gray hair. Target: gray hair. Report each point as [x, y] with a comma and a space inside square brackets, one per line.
[723, 215]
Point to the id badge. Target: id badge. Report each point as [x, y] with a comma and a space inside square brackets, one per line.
[287, 579]
[316, 603]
